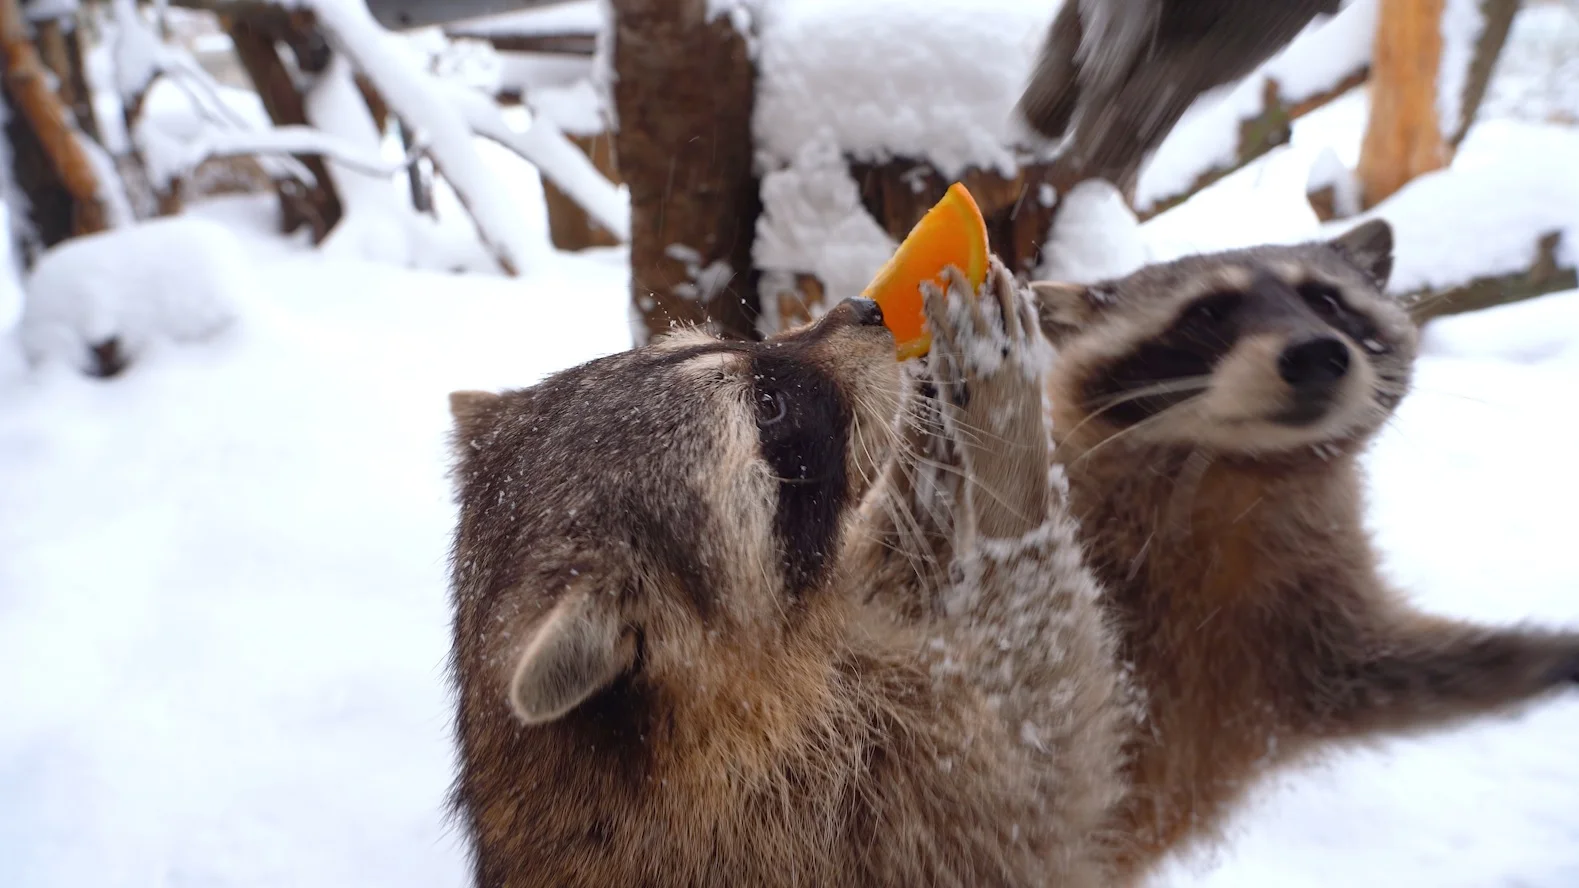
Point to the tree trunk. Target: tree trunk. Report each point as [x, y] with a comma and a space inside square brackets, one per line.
[1403, 138]
[683, 99]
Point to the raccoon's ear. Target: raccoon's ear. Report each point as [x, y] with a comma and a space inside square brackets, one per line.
[1369, 246]
[472, 410]
[1062, 308]
[577, 649]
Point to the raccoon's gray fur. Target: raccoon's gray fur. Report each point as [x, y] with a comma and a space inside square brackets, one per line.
[775, 614]
[1210, 413]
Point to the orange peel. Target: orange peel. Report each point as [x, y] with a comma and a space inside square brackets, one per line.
[951, 233]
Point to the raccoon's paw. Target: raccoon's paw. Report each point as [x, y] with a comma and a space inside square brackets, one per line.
[988, 354]
[985, 334]
[988, 358]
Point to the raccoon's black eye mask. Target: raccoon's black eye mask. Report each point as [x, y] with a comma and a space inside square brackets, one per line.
[803, 424]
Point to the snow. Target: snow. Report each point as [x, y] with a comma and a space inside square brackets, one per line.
[1510, 184]
[576, 109]
[223, 581]
[813, 222]
[1462, 24]
[43, 10]
[377, 222]
[1537, 75]
[1329, 172]
[530, 71]
[854, 70]
[545, 146]
[1096, 238]
[118, 285]
[138, 53]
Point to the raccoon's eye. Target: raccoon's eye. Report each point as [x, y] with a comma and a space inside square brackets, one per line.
[771, 408]
[1324, 299]
[1210, 310]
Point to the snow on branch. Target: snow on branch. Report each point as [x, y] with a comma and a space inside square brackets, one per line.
[278, 142]
[545, 146]
[422, 101]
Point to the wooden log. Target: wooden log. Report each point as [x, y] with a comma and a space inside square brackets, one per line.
[569, 225]
[683, 94]
[50, 128]
[1545, 275]
[1403, 136]
[61, 50]
[255, 33]
[545, 44]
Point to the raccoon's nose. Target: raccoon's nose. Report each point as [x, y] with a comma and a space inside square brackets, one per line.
[1314, 363]
[866, 312]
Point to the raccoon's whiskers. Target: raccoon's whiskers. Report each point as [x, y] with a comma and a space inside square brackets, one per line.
[1125, 432]
[1166, 387]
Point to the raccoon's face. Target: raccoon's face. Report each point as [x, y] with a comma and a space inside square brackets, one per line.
[624, 517]
[1254, 351]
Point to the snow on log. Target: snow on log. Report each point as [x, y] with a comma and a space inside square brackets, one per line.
[1331, 189]
[888, 81]
[1497, 226]
[817, 244]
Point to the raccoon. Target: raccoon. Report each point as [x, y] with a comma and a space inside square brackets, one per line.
[774, 614]
[1210, 414]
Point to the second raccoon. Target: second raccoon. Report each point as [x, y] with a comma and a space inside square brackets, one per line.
[1210, 414]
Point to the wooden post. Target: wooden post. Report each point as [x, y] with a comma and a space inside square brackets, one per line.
[1403, 137]
[683, 97]
[569, 225]
[59, 178]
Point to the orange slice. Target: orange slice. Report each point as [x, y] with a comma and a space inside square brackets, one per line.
[951, 233]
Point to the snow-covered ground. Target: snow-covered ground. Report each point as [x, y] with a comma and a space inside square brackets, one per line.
[223, 613]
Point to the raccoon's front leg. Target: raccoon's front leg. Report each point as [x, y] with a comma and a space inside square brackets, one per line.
[1022, 614]
[1425, 672]
[973, 453]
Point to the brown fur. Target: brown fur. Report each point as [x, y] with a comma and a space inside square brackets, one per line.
[652, 693]
[1232, 547]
